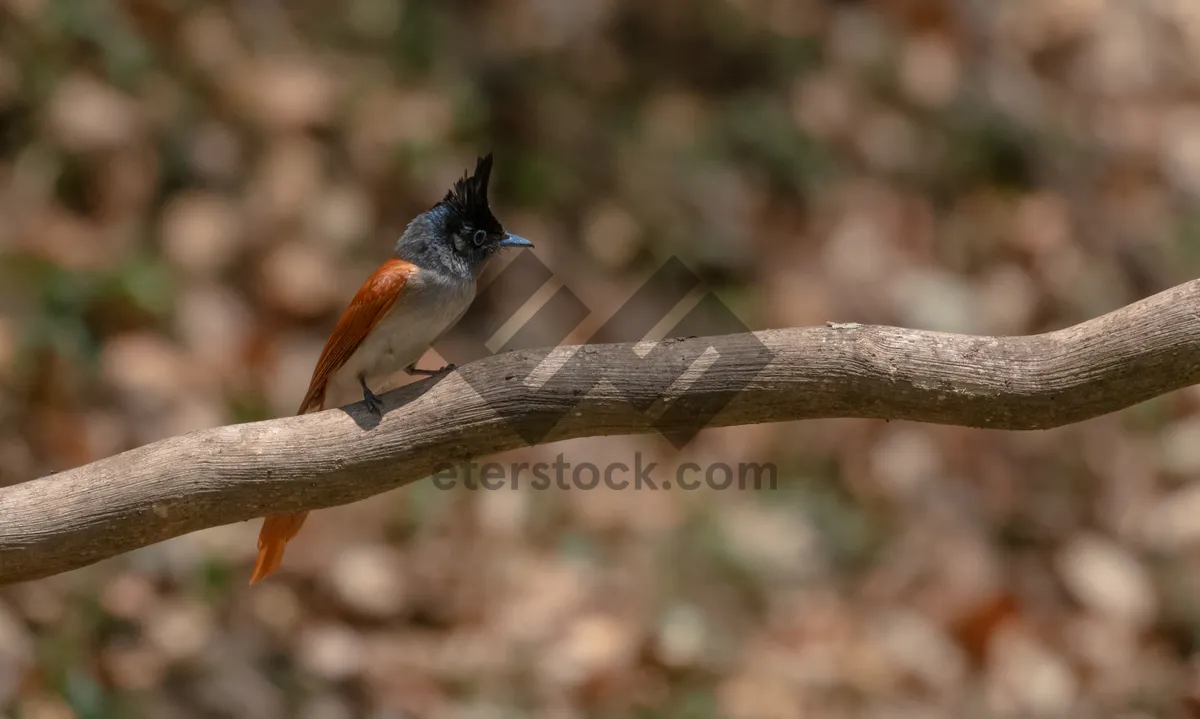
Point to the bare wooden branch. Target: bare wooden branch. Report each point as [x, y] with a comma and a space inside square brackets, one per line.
[231, 474]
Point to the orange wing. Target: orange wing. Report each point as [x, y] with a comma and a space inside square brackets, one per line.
[370, 304]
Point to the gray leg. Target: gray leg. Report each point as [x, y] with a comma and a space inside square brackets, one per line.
[370, 398]
[413, 369]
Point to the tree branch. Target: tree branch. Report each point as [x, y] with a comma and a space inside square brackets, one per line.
[231, 474]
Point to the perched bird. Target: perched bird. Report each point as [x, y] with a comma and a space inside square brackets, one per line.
[421, 291]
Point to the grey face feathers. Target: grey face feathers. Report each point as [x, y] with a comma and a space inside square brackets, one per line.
[459, 233]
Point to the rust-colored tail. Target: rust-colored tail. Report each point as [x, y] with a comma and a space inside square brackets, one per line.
[276, 532]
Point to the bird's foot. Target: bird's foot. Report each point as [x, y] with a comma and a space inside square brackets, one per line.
[371, 400]
[413, 369]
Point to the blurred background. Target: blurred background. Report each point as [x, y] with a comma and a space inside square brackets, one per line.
[190, 193]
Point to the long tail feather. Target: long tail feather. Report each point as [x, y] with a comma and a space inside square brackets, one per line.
[276, 532]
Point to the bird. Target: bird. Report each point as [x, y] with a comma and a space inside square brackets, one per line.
[414, 297]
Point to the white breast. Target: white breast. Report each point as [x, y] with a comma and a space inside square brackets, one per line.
[431, 304]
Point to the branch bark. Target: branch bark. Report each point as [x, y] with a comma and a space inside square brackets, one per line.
[231, 474]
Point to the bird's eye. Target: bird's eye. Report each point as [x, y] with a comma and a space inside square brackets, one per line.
[480, 236]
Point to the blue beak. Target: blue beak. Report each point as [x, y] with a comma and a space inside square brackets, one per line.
[511, 240]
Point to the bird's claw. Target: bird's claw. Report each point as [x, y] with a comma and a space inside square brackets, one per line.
[372, 401]
[414, 370]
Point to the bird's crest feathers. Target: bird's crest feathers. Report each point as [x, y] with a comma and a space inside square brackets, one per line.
[468, 198]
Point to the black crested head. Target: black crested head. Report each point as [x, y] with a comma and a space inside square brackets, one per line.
[468, 200]
[459, 233]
